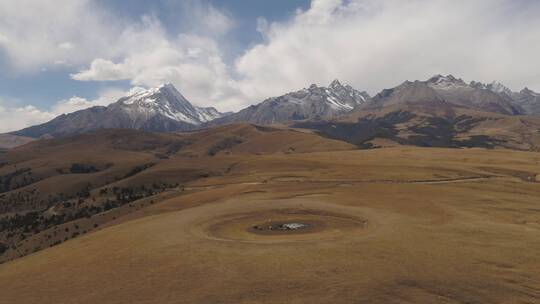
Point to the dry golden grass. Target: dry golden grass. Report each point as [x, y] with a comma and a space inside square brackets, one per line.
[438, 226]
[42, 180]
[518, 132]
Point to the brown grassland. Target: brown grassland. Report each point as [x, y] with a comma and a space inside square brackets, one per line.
[390, 225]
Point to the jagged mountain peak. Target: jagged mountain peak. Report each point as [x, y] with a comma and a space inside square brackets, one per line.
[335, 84]
[168, 85]
[164, 100]
[313, 102]
[498, 87]
[494, 86]
[448, 81]
[335, 91]
[527, 91]
[443, 78]
[150, 95]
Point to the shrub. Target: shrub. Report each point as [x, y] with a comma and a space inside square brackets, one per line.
[82, 168]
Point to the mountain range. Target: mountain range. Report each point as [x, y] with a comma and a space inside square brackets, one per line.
[440, 111]
[164, 109]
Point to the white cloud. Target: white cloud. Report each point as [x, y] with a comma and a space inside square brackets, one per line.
[200, 17]
[193, 63]
[38, 33]
[378, 44]
[77, 103]
[262, 27]
[66, 46]
[210, 20]
[102, 70]
[3, 39]
[20, 117]
[372, 44]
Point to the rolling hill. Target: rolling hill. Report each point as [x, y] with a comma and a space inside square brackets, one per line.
[420, 225]
[87, 179]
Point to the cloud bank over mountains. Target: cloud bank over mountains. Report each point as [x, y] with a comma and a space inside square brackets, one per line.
[371, 44]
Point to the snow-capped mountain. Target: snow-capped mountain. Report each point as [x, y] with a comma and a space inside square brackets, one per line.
[308, 103]
[495, 87]
[164, 100]
[160, 109]
[448, 82]
[346, 95]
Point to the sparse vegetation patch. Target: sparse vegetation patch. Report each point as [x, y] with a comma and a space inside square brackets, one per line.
[224, 144]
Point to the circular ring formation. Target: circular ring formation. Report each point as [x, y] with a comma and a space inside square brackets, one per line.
[274, 226]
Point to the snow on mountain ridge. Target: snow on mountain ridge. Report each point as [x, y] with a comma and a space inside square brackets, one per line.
[313, 102]
[345, 96]
[446, 82]
[338, 96]
[494, 86]
[498, 87]
[341, 98]
[530, 92]
[165, 100]
[449, 82]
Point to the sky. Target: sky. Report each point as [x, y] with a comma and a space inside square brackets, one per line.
[59, 56]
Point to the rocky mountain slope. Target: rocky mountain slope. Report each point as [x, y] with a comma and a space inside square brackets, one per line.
[448, 91]
[528, 100]
[309, 103]
[160, 109]
[8, 141]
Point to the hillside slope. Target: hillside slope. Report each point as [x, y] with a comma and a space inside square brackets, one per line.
[89, 179]
[409, 224]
